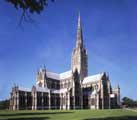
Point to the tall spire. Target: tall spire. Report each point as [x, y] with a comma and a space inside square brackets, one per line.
[79, 41]
[79, 54]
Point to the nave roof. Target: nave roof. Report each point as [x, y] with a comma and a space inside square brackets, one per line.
[93, 78]
[60, 76]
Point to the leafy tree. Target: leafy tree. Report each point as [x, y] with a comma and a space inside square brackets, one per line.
[29, 7]
[129, 102]
[4, 104]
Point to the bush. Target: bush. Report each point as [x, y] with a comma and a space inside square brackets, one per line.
[4, 104]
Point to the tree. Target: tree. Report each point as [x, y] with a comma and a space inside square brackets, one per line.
[29, 7]
[129, 102]
[4, 104]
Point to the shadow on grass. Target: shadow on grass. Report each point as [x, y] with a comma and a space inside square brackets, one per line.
[109, 118]
[115, 118]
[34, 113]
[32, 118]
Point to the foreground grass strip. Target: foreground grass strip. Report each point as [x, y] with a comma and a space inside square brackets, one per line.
[118, 114]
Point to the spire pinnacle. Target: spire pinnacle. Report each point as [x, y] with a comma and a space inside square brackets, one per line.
[79, 23]
[79, 41]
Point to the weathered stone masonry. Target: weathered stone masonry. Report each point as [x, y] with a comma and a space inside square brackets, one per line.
[73, 89]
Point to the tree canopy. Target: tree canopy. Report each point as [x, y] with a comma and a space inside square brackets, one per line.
[4, 104]
[29, 7]
[129, 102]
[33, 6]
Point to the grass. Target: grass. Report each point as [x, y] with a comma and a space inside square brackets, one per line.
[117, 114]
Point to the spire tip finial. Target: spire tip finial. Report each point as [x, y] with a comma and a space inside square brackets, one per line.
[79, 18]
[79, 13]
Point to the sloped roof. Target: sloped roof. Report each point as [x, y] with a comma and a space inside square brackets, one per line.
[24, 89]
[52, 75]
[41, 89]
[93, 78]
[60, 76]
[66, 74]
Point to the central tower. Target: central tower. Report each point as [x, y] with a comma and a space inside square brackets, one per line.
[79, 55]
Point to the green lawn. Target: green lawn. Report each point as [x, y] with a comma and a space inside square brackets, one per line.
[117, 114]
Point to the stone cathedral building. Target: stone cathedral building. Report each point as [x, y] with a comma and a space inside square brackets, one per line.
[73, 89]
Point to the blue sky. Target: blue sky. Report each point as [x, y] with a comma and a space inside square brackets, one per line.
[110, 36]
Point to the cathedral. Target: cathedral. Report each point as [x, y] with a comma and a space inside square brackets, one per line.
[72, 89]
